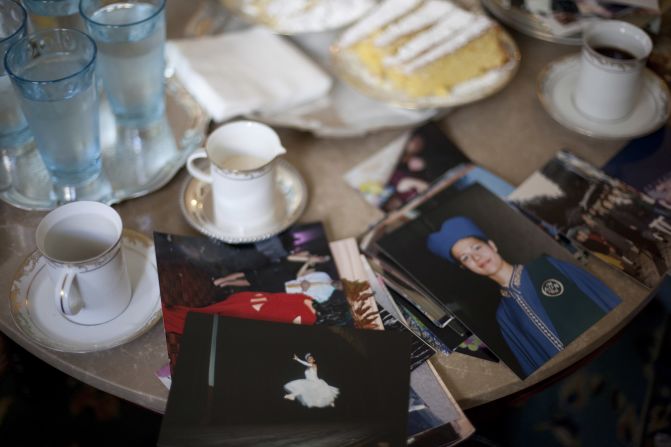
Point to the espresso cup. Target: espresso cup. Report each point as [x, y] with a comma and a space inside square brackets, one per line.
[611, 68]
[241, 171]
[81, 242]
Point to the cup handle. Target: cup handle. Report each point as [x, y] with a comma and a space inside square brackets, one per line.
[64, 301]
[195, 170]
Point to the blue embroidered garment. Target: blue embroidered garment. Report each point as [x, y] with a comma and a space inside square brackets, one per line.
[547, 304]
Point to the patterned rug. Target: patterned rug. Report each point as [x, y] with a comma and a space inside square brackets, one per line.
[40, 406]
[620, 398]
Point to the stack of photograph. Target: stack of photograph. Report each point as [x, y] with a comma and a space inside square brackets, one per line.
[332, 359]
[473, 257]
[516, 275]
[343, 337]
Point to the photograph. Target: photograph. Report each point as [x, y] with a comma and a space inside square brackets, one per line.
[288, 278]
[406, 167]
[431, 318]
[367, 312]
[248, 382]
[509, 282]
[645, 164]
[420, 351]
[427, 154]
[421, 417]
[604, 216]
[441, 420]
[458, 177]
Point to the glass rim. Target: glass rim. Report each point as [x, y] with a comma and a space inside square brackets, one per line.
[23, 23]
[88, 19]
[32, 36]
[34, 6]
[42, 1]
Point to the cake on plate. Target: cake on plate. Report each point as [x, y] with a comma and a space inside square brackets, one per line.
[424, 47]
[301, 16]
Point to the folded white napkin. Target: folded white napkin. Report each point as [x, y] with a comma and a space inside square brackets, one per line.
[248, 71]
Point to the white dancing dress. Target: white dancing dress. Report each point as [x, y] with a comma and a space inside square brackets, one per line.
[312, 391]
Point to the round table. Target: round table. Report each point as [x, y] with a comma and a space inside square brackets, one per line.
[508, 133]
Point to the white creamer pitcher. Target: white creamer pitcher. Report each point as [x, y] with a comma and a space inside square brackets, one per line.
[242, 173]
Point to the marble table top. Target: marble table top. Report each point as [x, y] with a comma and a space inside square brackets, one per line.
[508, 133]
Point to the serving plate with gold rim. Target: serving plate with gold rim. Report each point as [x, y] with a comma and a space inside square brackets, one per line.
[290, 17]
[349, 68]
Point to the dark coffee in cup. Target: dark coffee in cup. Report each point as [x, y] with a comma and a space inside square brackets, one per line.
[611, 68]
[615, 53]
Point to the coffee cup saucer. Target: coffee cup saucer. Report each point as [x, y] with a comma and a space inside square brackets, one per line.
[34, 310]
[555, 87]
[196, 205]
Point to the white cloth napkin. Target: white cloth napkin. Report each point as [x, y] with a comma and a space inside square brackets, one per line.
[248, 71]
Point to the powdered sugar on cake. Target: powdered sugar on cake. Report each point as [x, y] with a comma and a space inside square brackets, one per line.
[382, 15]
[438, 28]
[475, 27]
[444, 31]
[423, 53]
[475, 85]
[306, 15]
[426, 15]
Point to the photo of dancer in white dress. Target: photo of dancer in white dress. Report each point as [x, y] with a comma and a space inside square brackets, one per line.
[311, 391]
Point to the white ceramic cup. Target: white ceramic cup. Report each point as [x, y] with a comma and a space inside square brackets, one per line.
[611, 69]
[242, 174]
[81, 242]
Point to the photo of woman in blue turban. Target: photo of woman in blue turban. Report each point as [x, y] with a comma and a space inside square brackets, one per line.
[544, 303]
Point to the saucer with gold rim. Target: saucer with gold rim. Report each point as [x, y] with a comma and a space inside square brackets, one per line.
[291, 197]
[555, 87]
[33, 309]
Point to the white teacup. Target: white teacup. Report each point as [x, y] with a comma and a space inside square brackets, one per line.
[242, 173]
[81, 242]
[611, 69]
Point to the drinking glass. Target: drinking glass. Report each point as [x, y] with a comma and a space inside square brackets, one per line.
[131, 37]
[48, 14]
[13, 126]
[54, 74]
